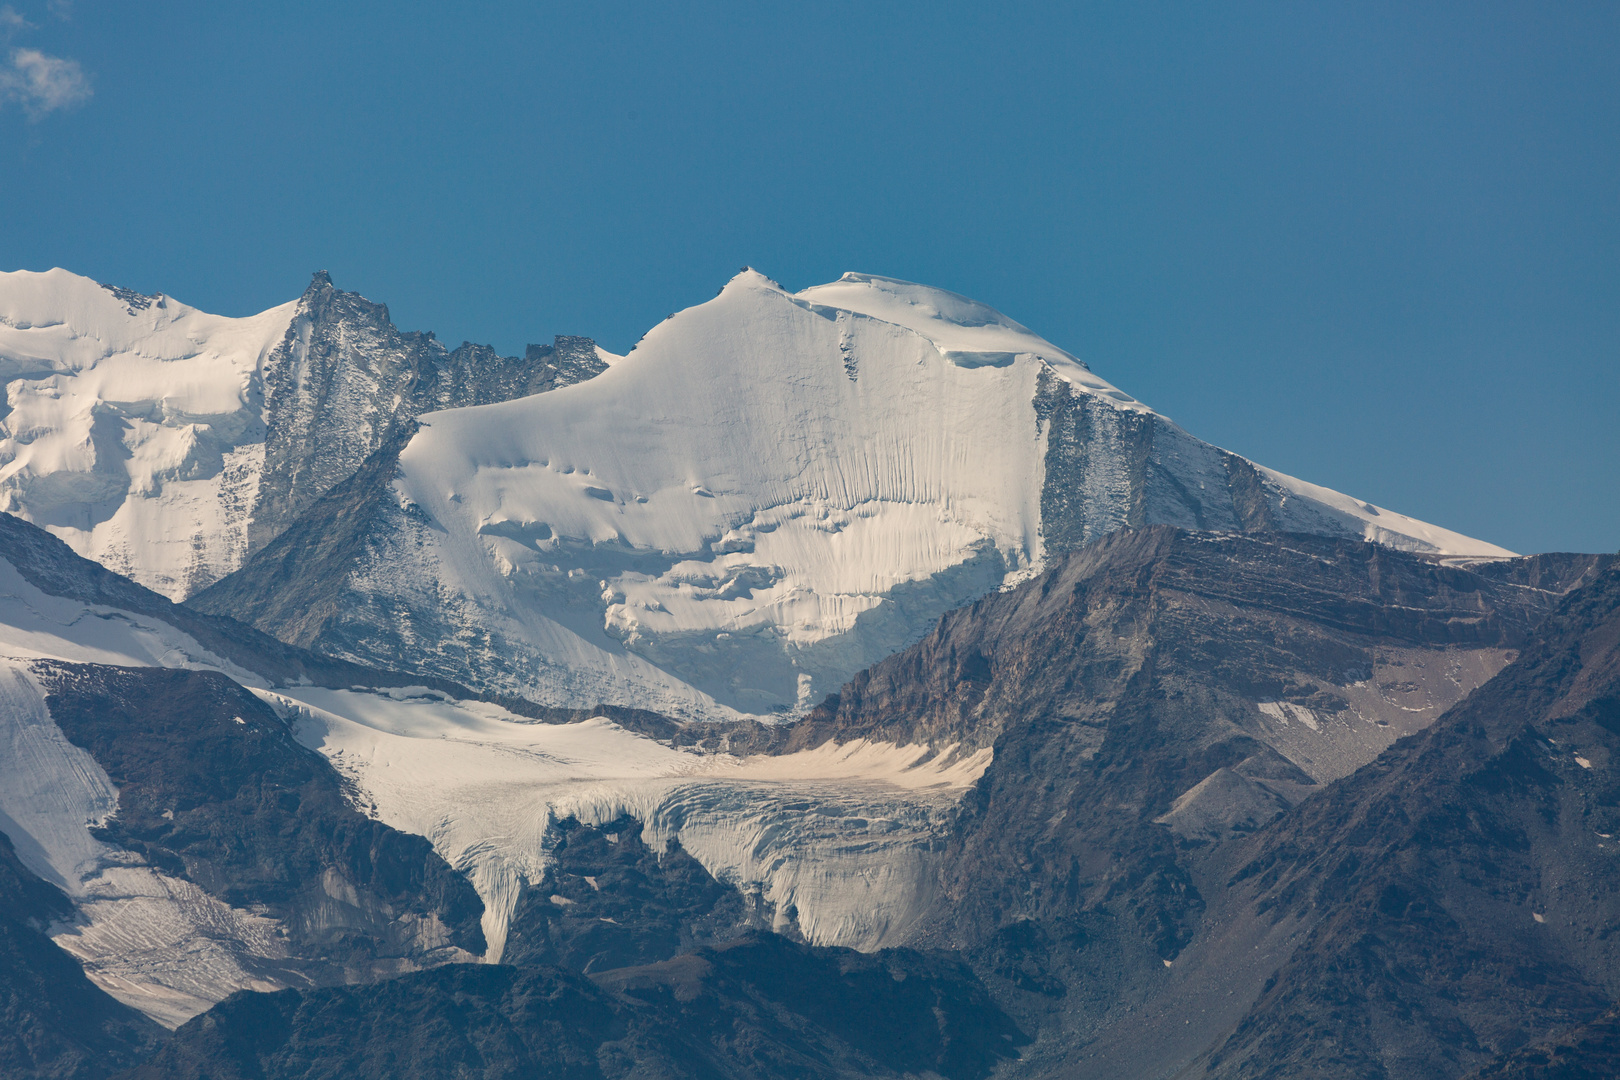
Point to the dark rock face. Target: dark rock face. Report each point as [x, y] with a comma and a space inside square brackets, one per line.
[53, 1021]
[345, 381]
[213, 788]
[1126, 695]
[57, 570]
[758, 1007]
[333, 392]
[1108, 469]
[610, 901]
[1460, 897]
[1587, 1052]
[891, 1012]
[296, 584]
[477, 375]
[1255, 614]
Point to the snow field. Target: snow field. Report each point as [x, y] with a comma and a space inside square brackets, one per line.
[130, 426]
[37, 626]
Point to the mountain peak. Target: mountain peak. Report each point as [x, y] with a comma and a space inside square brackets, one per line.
[774, 490]
[748, 277]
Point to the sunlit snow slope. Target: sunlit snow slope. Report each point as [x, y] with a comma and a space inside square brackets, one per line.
[774, 490]
[131, 427]
[771, 492]
[168, 444]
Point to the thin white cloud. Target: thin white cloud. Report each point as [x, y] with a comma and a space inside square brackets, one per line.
[62, 9]
[42, 83]
[12, 22]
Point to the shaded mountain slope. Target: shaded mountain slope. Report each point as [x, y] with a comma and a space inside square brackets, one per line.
[1151, 700]
[53, 1021]
[52, 567]
[1587, 1052]
[612, 901]
[294, 586]
[757, 1007]
[1460, 896]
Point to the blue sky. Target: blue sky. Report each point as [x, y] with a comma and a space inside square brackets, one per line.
[1373, 245]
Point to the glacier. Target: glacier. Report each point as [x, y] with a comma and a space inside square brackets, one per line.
[488, 788]
[774, 489]
[485, 786]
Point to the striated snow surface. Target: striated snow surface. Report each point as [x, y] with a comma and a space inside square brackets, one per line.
[157, 943]
[774, 490]
[844, 836]
[131, 425]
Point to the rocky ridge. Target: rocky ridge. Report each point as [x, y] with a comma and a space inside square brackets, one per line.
[1152, 701]
[170, 444]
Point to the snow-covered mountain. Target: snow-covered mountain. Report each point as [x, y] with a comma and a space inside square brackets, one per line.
[167, 443]
[222, 811]
[771, 491]
[143, 747]
[1115, 785]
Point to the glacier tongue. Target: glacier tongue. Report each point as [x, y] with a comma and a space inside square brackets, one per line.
[840, 841]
